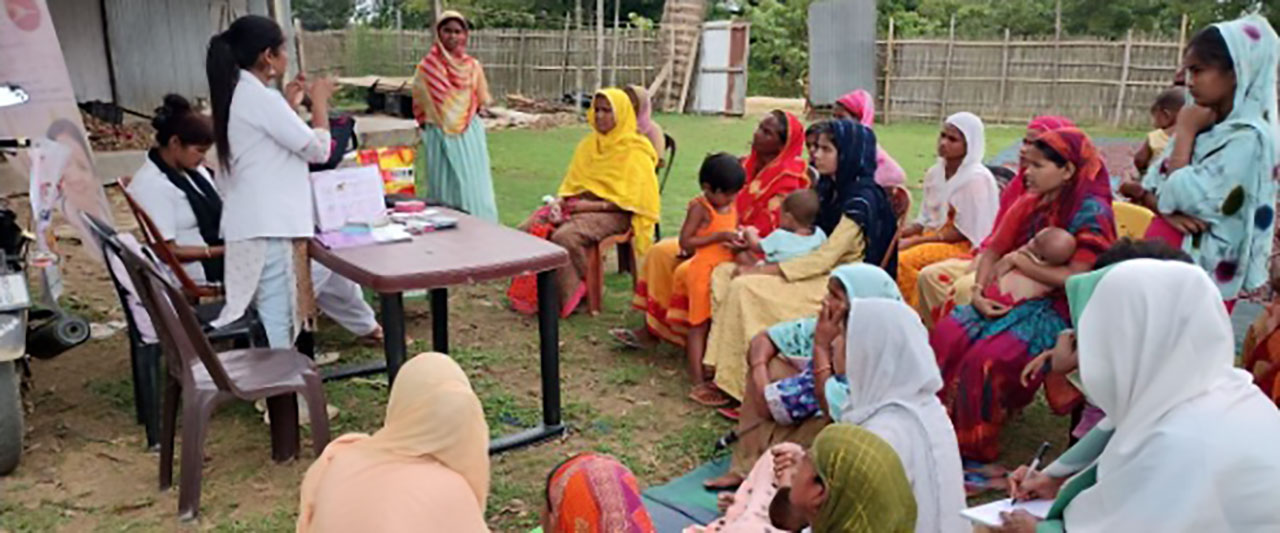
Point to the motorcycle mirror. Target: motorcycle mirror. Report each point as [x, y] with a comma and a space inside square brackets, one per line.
[11, 95]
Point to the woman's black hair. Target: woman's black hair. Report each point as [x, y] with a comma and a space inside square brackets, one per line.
[1126, 249]
[176, 118]
[66, 127]
[1209, 48]
[230, 51]
[1050, 153]
[781, 117]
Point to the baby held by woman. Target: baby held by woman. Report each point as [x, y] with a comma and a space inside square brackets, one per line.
[796, 234]
[1050, 247]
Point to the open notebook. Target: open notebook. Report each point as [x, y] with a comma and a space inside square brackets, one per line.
[989, 514]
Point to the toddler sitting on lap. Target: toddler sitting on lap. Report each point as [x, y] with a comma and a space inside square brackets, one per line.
[796, 234]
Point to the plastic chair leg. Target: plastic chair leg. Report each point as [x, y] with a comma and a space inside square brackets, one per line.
[626, 258]
[283, 411]
[149, 402]
[196, 412]
[139, 400]
[319, 417]
[168, 428]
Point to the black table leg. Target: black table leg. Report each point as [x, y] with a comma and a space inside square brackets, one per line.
[440, 320]
[549, 346]
[393, 332]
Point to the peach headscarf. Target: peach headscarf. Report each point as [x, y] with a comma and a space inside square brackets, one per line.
[434, 440]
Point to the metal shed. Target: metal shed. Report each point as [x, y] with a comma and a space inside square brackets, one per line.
[842, 49]
[722, 68]
[133, 52]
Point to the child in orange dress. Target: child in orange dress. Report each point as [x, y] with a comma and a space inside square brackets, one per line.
[709, 234]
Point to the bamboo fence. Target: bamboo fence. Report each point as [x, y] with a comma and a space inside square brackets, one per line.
[534, 63]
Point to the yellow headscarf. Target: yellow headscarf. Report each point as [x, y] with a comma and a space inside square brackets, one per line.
[433, 414]
[618, 166]
[867, 488]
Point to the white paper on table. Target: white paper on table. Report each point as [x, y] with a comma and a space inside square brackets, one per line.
[989, 514]
[347, 195]
[391, 233]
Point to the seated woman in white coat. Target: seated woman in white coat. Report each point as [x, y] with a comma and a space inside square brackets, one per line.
[179, 195]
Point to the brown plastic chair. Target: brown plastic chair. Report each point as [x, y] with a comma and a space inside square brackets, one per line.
[900, 199]
[205, 379]
[192, 291]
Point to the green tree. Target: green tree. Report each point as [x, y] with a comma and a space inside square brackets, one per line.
[324, 14]
[779, 60]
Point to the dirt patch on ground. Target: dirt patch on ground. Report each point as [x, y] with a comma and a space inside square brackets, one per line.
[86, 467]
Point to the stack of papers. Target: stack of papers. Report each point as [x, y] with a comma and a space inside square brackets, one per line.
[989, 514]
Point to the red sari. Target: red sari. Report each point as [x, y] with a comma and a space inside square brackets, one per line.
[981, 358]
[760, 202]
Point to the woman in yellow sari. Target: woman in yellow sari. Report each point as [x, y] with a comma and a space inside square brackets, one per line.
[611, 187]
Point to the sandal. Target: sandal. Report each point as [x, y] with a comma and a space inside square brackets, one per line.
[708, 395]
[572, 303]
[627, 338]
[729, 412]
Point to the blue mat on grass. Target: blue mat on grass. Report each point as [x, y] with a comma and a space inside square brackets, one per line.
[683, 502]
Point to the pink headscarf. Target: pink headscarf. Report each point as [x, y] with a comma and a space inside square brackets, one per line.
[860, 103]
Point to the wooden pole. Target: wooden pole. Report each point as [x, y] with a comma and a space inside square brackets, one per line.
[564, 58]
[1182, 41]
[946, 72]
[888, 75]
[1057, 52]
[577, 63]
[520, 61]
[1124, 78]
[599, 43]
[1004, 76]
[688, 73]
[671, 60]
[644, 58]
[617, 30]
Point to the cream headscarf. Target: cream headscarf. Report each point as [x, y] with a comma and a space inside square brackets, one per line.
[972, 191]
[893, 392]
[432, 416]
[1156, 354]
[619, 166]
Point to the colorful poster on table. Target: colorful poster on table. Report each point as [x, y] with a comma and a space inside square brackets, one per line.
[30, 58]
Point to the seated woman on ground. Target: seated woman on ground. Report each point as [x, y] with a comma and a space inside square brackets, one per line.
[982, 348]
[859, 107]
[177, 192]
[610, 187]
[593, 493]
[789, 365]
[426, 469]
[775, 168]
[1179, 448]
[961, 200]
[850, 481]
[854, 213]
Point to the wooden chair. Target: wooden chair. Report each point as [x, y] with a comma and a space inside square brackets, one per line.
[151, 237]
[203, 379]
[626, 251]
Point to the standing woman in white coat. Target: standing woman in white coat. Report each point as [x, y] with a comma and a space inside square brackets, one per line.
[264, 147]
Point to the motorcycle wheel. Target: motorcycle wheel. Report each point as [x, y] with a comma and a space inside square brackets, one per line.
[11, 431]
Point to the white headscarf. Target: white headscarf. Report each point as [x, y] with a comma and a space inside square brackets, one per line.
[1193, 448]
[972, 191]
[893, 387]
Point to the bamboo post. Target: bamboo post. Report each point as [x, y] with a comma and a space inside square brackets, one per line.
[599, 43]
[1182, 42]
[617, 29]
[946, 71]
[1004, 77]
[644, 60]
[520, 62]
[1057, 52]
[577, 61]
[564, 58]
[688, 72]
[671, 76]
[1124, 77]
[888, 75]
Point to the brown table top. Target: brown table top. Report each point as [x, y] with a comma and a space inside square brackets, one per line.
[475, 251]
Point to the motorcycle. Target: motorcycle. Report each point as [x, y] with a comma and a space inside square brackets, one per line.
[42, 330]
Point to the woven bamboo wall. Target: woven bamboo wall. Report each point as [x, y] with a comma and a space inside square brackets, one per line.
[535, 63]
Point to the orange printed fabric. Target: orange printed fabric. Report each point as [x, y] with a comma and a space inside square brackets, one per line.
[449, 87]
[594, 493]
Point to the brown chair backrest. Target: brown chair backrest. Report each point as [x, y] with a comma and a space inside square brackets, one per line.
[900, 199]
[152, 238]
[179, 330]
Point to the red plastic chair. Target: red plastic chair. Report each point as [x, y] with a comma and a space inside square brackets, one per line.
[204, 379]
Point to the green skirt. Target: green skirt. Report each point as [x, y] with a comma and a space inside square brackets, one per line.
[454, 169]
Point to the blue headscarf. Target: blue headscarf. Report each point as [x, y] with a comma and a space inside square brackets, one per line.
[853, 192]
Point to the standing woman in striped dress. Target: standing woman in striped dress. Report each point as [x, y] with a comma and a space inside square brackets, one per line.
[449, 88]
